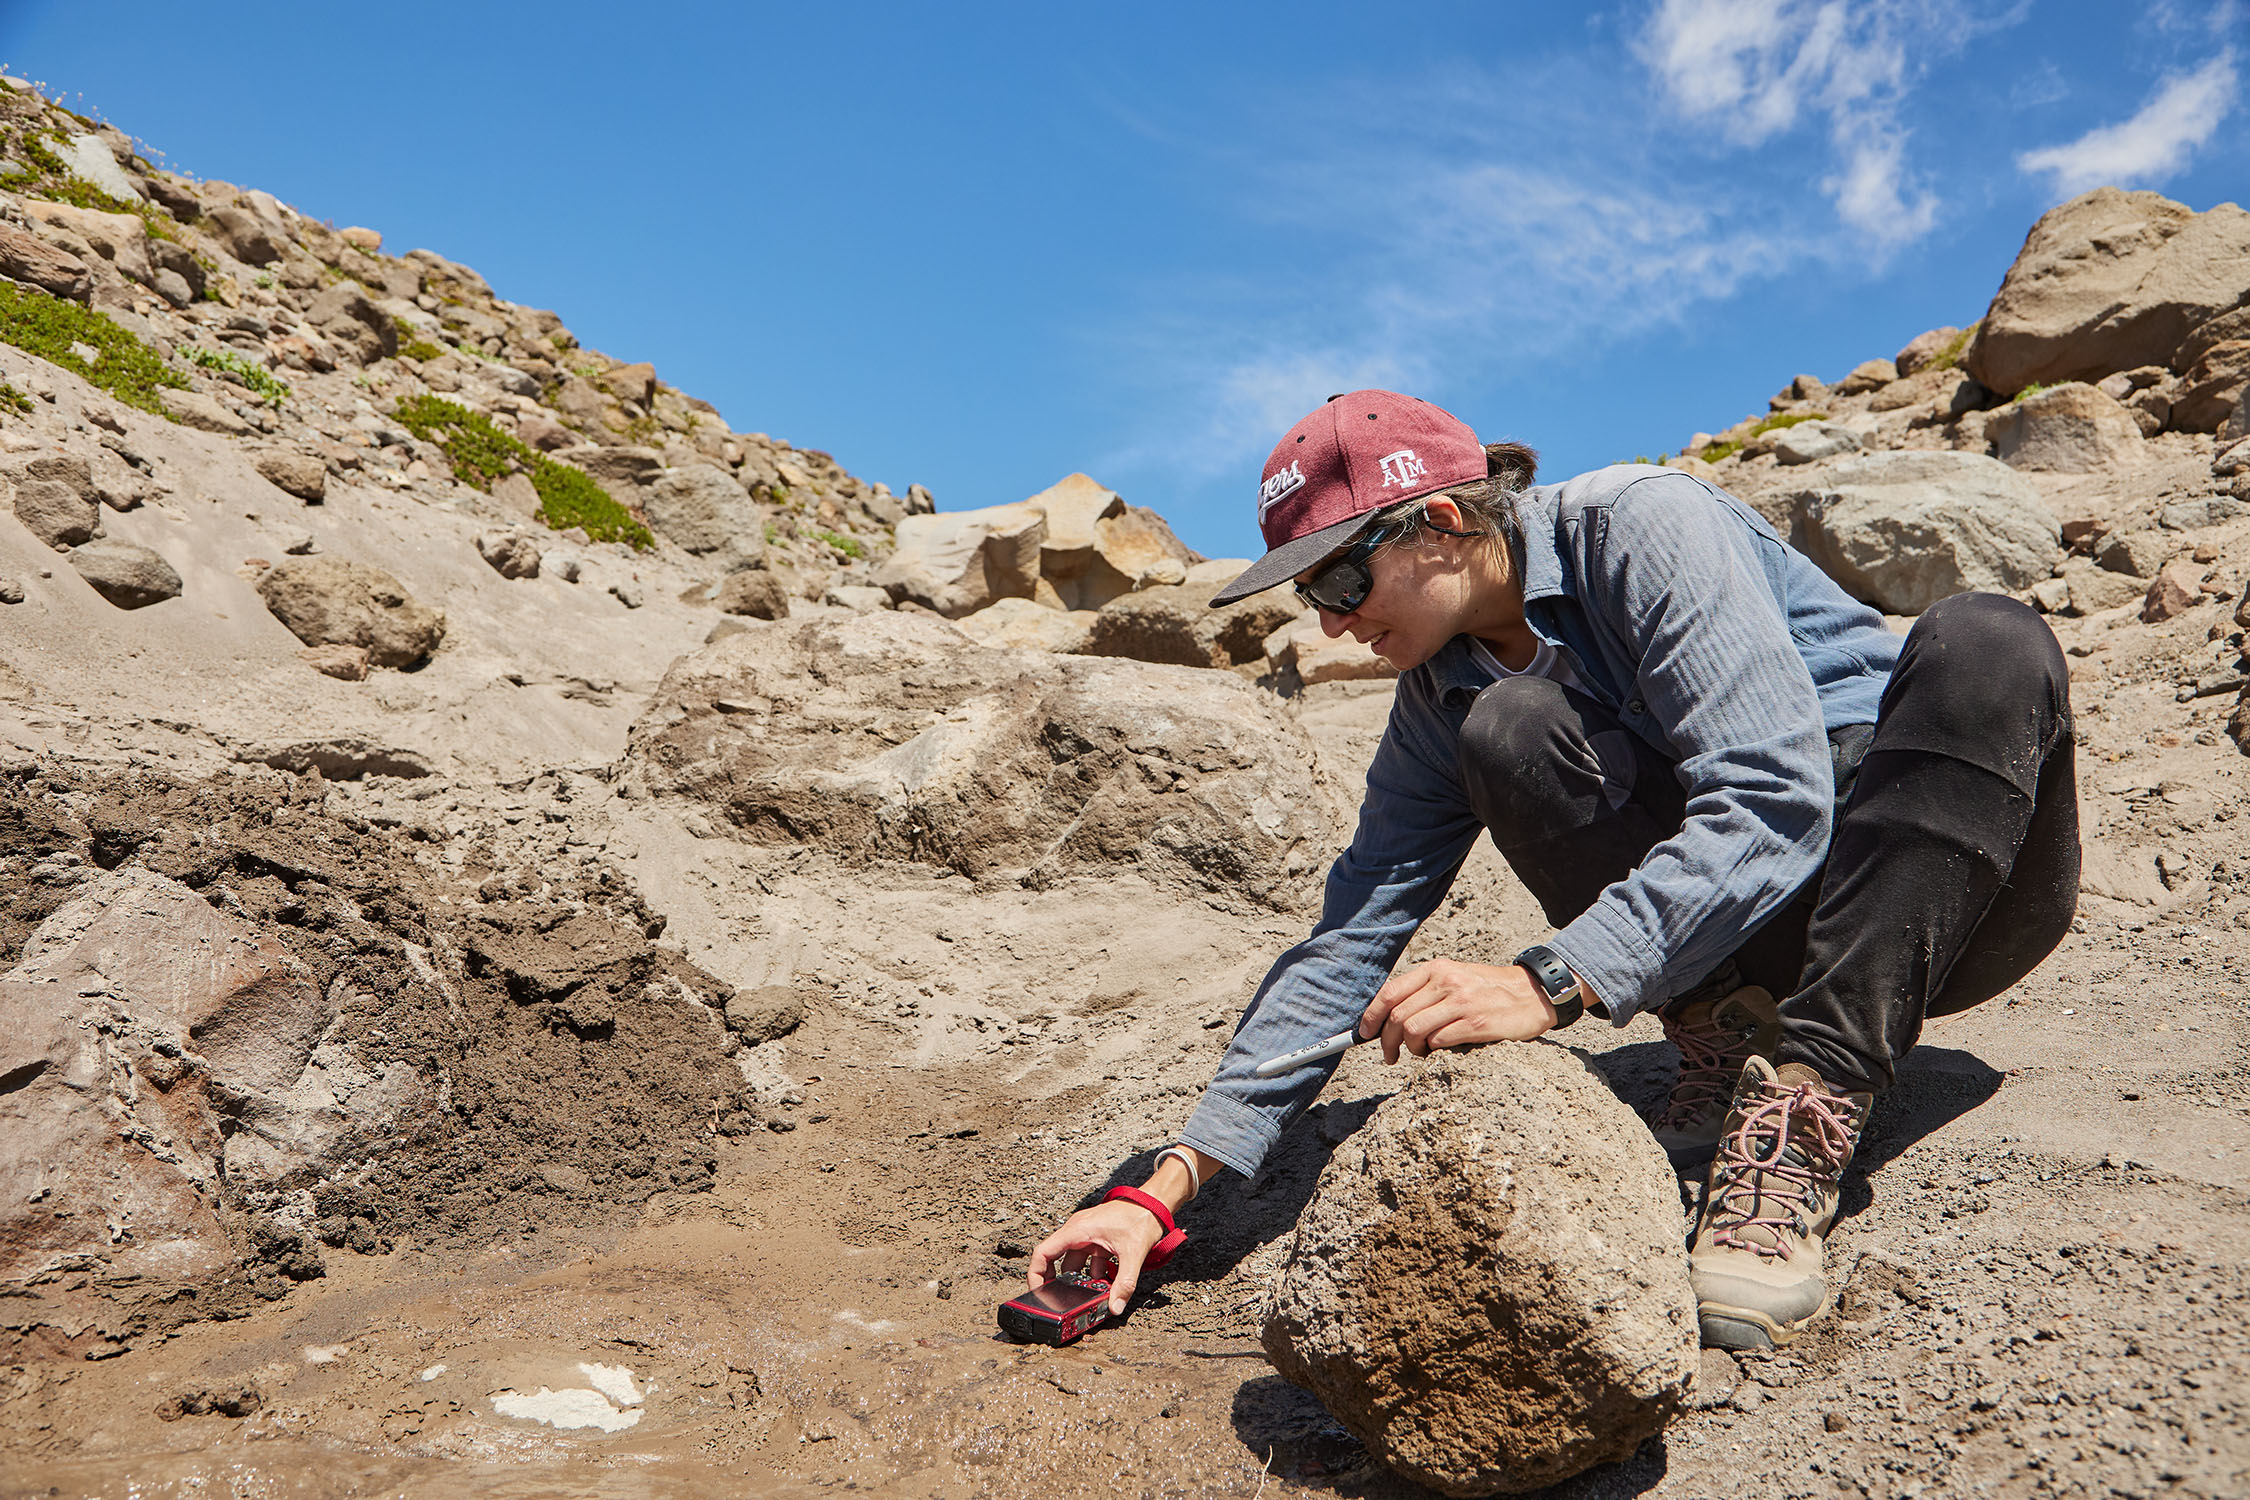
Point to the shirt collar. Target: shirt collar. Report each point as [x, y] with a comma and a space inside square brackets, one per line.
[1544, 576]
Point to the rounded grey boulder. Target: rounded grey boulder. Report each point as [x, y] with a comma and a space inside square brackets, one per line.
[127, 575]
[1488, 1287]
[326, 601]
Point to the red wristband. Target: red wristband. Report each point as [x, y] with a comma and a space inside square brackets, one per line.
[1174, 1235]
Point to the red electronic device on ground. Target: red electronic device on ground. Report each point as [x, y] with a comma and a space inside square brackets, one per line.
[1058, 1312]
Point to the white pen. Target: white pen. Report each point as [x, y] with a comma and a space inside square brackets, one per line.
[1342, 1041]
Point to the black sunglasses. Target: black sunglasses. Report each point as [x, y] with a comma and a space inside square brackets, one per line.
[1342, 585]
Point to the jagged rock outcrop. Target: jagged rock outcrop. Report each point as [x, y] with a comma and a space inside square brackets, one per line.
[2066, 429]
[1488, 1287]
[898, 737]
[2108, 281]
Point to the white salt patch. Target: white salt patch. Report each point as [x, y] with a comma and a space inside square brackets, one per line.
[569, 1408]
[325, 1354]
[851, 1315]
[613, 1381]
[433, 1372]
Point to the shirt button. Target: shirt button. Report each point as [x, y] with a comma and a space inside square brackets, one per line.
[1636, 707]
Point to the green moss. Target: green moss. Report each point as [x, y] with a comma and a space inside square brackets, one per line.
[12, 399]
[125, 367]
[2032, 389]
[419, 349]
[479, 451]
[569, 497]
[1780, 420]
[482, 453]
[1950, 356]
[254, 377]
[848, 546]
[1713, 452]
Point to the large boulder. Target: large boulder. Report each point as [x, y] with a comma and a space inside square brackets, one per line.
[1098, 547]
[894, 736]
[1488, 1287]
[960, 561]
[2065, 429]
[31, 260]
[1902, 530]
[1176, 623]
[127, 574]
[245, 236]
[326, 601]
[699, 506]
[349, 318]
[2109, 281]
[2212, 386]
[121, 239]
[55, 499]
[294, 470]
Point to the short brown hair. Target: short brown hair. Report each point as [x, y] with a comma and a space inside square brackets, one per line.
[1487, 505]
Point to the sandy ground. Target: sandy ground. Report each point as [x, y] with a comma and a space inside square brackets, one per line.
[2045, 1240]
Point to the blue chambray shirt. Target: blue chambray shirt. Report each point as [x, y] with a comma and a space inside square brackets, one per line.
[1704, 633]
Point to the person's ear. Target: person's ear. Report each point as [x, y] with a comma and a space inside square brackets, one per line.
[1441, 511]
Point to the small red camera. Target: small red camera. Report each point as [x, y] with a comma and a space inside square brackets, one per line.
[1056, 1313]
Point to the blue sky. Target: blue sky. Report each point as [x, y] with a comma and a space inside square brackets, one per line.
[980, 246]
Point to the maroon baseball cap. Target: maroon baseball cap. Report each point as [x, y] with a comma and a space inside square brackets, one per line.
[1357, 454]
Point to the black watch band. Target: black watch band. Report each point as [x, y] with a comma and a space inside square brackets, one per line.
[1553, 976]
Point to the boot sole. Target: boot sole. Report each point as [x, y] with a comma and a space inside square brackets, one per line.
[1745, 1328]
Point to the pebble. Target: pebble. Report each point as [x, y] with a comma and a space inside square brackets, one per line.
[11, 592]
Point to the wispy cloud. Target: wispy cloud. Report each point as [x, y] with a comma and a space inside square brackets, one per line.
[1753, 69]
[2156, 142]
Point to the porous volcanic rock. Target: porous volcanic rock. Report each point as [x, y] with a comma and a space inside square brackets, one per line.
[1488, 1286]
[54, 511]
[326, 601]
[1019, 622]
[755, 592]
[2065, 429]
[896, 736]
[2108, 281]
[1179, 625]
[511, 554]
[700, 506]
[1902, 530]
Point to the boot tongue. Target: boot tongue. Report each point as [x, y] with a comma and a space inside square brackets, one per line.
[1790, 1075]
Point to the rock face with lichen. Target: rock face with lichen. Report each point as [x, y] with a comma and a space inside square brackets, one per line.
[1488, 1287]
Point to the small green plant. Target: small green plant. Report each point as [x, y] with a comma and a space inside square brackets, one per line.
[419, 348]
[265, 282]
[850, 547]
[12, 399]
[255, 377]
[1725, 448]
[481, 453]
[2032, 389]
[1950, 356]
[1780, 420]
[122, 365]
[569, 497]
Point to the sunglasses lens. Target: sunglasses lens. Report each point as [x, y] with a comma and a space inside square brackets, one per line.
[1339, 588]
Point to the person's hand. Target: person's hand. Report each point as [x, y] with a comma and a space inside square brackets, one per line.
[1106, 1242]
[1446, 1003]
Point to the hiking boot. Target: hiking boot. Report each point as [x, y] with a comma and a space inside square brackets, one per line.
[1768, 1203]
[1715, 1038]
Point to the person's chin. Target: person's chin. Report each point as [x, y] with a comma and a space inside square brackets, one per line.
[1398, 651]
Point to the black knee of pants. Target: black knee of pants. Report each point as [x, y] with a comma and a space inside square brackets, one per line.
[1572, 798]
[1954, 866]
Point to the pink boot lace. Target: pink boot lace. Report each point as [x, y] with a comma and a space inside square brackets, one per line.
[1712, 1052]
[1768, 1189]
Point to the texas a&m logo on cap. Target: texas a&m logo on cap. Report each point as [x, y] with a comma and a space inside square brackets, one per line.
[1402, 468]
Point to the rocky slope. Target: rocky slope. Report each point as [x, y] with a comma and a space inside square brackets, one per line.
[546, 943]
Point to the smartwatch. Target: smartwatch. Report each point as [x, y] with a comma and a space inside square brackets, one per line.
[1555, 981]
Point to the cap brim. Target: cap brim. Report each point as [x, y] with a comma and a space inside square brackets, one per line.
[1289, 559]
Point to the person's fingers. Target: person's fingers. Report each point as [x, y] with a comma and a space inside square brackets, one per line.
[1049, 1250]
[1395, 989]
[1125, 1282]
[1421, 1027]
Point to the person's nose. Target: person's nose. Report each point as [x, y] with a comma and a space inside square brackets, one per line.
[1333, 624]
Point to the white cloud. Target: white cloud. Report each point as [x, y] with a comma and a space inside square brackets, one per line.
[1754, 68]
[2156, 142]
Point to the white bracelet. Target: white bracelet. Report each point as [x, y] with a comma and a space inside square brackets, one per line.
[1185, 1158]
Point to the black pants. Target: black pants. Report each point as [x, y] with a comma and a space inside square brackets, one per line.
[1952, 869]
